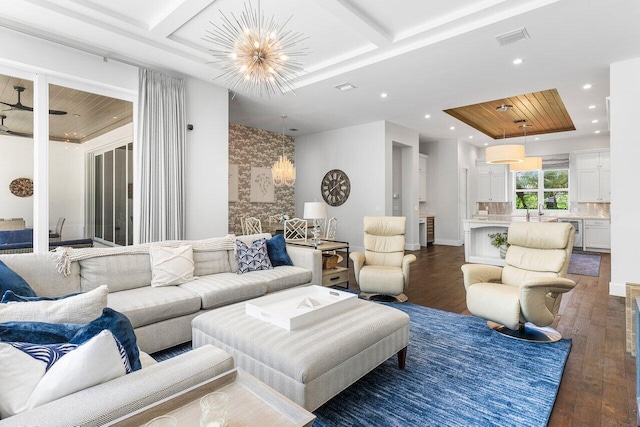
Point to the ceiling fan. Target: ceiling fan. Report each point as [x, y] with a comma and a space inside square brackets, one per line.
[18, 105]
[4, 130]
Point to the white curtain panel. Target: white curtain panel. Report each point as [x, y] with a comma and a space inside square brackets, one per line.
[162, 152]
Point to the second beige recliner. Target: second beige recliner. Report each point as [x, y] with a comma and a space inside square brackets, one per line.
[383, 269]
[523, 297]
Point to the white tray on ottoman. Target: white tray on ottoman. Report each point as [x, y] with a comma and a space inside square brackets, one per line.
[302, 306]
[315, 362]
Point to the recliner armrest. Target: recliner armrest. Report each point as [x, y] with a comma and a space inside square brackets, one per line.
[480, 273]
[533, 298]
[358, 263]
[406, 261]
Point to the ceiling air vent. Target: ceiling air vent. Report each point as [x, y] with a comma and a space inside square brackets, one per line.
[512, 36]
[345, 86]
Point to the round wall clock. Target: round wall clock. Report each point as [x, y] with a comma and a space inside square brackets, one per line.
[335, 187]
[21, 187]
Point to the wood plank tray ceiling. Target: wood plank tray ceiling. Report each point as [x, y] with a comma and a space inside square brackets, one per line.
[544, 111]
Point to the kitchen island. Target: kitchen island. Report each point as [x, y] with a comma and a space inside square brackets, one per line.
[477, 243]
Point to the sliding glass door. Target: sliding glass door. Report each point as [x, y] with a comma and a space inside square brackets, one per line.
[113, 195]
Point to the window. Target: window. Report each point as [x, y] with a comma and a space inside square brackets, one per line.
[549, 187]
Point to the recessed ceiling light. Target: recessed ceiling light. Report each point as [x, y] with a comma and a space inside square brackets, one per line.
[591, 107]
[452, 128]
[345, 86]
[597, 131]
[427, 116]
[383, 95]
[486, 143]
[536, 139]
[471, 137]
[594, 121]
[587, 86]
[115, 117]
[518, 61]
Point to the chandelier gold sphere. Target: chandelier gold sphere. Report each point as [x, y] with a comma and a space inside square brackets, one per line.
[257, 57]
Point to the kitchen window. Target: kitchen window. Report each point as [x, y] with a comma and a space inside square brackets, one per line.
[548, 187]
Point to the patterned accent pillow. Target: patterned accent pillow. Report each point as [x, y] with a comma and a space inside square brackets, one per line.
[254, 257]
[34, 374]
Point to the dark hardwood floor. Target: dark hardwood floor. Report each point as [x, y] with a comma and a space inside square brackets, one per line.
[598, 385]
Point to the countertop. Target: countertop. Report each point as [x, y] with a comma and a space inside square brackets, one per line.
[510, 218]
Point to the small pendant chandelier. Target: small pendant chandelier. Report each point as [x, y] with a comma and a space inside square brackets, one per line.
[529, 163]
[283, 172]
[504, 154]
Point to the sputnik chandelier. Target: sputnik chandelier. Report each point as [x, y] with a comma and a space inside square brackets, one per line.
[258, 57]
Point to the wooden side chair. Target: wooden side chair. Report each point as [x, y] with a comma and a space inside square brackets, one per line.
[295, 229]
[252, 225]
[332, 227]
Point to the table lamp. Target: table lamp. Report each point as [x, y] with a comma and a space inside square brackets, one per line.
[315, 211]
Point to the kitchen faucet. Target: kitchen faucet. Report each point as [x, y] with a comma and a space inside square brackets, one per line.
[540, 213]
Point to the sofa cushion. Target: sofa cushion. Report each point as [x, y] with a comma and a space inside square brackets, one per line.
[119, 272]
[171, 266]
[220, 289]
[40, 271]
[211, 262]
[12, 281]
[81, 308]
[147, 305]
[283, 277]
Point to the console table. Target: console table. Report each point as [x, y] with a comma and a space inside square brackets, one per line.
[337, 276]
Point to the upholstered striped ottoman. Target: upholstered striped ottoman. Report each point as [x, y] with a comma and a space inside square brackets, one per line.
[311, 364]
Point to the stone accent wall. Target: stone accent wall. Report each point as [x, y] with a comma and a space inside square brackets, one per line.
[249, 147]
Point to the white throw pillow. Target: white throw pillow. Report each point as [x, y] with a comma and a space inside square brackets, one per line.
[95, 362]
[81, 308]
[171, 266]
[19, 375]
[25, 383]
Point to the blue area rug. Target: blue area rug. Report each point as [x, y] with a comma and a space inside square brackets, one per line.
[584, 264]
[458, 373]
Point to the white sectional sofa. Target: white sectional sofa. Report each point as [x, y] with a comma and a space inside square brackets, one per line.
[161, 317]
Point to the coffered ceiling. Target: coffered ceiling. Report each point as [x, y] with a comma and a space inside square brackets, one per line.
[428, 56]
[540, 112]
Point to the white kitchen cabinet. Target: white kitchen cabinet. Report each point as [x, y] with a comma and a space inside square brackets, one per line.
[492, 182]
[593, 173]
[597, 234]
[422, 178]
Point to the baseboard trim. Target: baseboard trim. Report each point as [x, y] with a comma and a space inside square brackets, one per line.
[617, 289]
[412, 246]
[447, 242]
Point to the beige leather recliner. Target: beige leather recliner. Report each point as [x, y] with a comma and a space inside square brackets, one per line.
[523, 297]
[383, 269]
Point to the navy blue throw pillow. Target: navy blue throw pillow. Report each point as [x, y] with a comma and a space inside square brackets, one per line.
[277, 250]
[52, 333]
[11, 281]
[11, 296]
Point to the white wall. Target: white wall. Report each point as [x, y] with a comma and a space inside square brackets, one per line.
[360, 152]
[563, 146]
[66, 183]
[625, 152]
[207, 110]
[207, 173]
[442, 189]
[397, 181]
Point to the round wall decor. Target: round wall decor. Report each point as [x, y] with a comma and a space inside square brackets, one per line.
[335, 187]
[21, 187]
